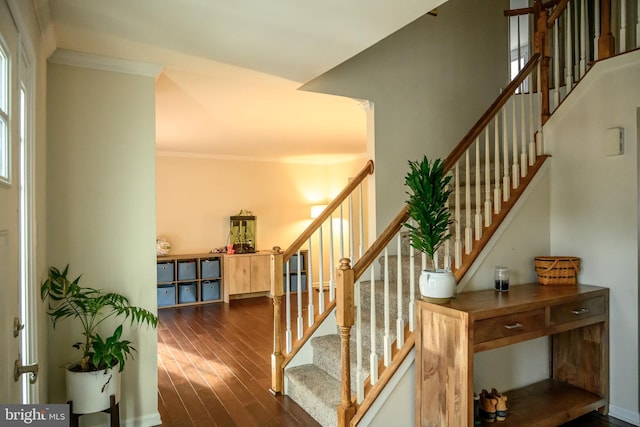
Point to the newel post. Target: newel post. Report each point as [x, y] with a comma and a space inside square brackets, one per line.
[606, 42]
[277, 280]
[541, 46]
[345, 317]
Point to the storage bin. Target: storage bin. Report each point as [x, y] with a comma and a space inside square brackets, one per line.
[187, 270]
[166, 295]
[293, 262]
[165, 272]
[210, 290]
[210, 268]
[293, 280]
[186, 292]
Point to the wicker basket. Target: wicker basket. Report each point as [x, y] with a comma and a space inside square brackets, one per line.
[557, 270]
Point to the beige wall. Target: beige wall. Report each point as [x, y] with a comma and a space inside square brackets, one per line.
[196, 196]
[430, 82]
[101, 210]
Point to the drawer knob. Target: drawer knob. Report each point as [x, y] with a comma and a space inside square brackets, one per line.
[580, 311]
[516, 325]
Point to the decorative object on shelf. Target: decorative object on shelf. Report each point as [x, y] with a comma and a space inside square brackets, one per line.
[427, 204]
[501, 278]
[162, 246]
[557, 270]
[96, 376]
[242, 232]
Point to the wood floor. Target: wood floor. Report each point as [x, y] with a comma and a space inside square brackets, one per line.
[214, 369]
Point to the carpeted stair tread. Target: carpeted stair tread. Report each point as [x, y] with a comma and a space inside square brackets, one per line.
[326, 356]
[317, 392]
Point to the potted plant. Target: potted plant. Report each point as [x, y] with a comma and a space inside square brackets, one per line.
[96, 376]
[427, 205]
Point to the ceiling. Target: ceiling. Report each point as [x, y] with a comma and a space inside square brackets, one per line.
[232, 68]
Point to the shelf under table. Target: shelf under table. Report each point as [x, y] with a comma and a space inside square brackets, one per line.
[547, 403]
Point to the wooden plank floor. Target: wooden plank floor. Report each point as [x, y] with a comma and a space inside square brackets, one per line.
[214, 369]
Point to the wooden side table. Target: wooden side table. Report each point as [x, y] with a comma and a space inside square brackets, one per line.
[576, 320]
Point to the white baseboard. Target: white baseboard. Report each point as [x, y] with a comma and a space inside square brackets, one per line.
[624, 415]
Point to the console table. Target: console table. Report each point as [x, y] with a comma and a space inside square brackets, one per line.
[576, 320]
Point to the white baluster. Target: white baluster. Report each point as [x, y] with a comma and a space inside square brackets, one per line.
[638, 24]
[487, 178]
[447, 243]
[556, 65]
[583, 38]
[359, 370]
[399, 319]
[468, 231]
[351, 230]
[568, 54]
[506, 181]
[497, 191]
[623, 26]
[332, 277]
[387, 315]
[373, 356]
[458, 244]
[532, 126]
[320, 270]
[310, 307]
[596, 28]
[523, 136]
[478, 216]
[412, 288]
[299, 299]
[288, 333]
[361, 216]
[515, 170]
[539, 139]
[341, 232]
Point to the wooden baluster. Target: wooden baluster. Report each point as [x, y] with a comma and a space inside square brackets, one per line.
[541, 46]
[345, 320]
[277, 373]
[311, 310]
[606, 42]
[399, 319]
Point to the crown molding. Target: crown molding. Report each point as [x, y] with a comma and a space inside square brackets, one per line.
[47, 33]
[105, 63]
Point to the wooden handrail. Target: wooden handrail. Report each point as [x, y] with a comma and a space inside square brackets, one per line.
[488, 115]
[518, 12]
[335, 203]
[560, 8]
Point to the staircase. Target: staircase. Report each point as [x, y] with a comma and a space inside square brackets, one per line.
[492, 166]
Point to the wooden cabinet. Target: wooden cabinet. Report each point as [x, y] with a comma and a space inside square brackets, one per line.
[247, 275]
[189, 279]
[576, 320]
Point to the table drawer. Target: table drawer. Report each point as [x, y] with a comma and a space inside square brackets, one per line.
[578, 310]
[509, 325]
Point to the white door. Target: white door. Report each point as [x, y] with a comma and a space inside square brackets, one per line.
[10, 390]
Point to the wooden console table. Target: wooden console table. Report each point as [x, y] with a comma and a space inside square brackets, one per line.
[576, 320]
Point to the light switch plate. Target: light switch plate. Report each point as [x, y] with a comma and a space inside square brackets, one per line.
[614, 142]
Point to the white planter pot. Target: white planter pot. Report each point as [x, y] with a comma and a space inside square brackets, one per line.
[437, 286]
[90, 391]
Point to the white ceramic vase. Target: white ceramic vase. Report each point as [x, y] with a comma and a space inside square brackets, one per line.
[437, 286]
[91, 391]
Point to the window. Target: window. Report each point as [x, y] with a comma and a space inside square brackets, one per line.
[4, 117]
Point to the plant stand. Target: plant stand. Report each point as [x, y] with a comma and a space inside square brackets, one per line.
[113, 411]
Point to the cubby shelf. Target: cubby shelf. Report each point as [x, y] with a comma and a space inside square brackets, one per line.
[189, 279]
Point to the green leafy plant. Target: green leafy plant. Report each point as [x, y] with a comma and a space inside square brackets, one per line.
[67, 299]
[427, 204]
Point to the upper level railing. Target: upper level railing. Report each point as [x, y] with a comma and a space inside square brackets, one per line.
[338, 231]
